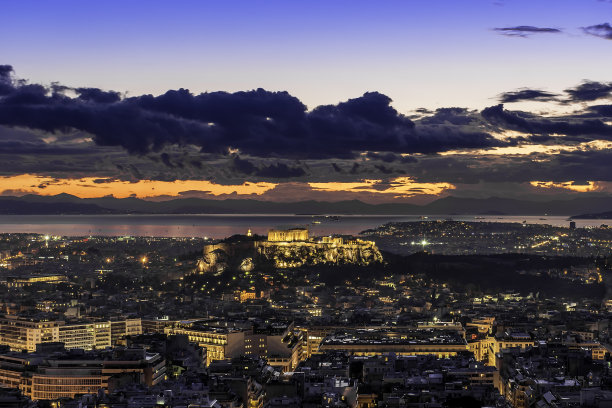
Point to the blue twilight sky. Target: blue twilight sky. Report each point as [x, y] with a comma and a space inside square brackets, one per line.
[421, 53]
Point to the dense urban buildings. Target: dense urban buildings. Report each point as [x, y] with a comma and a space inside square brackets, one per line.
[136, 321]
[462, 238]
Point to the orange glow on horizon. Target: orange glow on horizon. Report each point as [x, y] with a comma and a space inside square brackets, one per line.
[527, 149]
[398, 187]
[568, 185]
[88, 188]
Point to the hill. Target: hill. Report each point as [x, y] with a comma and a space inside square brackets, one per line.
[598, 216]
[68, 204]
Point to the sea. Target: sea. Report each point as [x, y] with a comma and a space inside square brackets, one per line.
[224, 225]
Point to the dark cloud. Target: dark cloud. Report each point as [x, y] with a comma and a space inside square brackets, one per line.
[389, 157]
[165, 158]
[85, 132]
[585, 92]
[603, 30]
[601, 110]
[258, 123]
[530, 124]
[587, 164]
[383, 169]
[280, 170]
[133, 170]
[452, 116]
[276, 170]
[525, 31]
[16, 147]
[6, 85]
[386, 157]
[527, 95]
[437, 139]
[98, 96]
[5, 71]
[408, 159]
[105, 180]
[243, 166]
[590, 91]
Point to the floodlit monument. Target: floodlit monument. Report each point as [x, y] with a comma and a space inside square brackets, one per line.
[287, 248]
[288, 235]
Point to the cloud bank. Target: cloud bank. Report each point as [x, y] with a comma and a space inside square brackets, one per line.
[525, 31]
[359, 148]
[258, 122]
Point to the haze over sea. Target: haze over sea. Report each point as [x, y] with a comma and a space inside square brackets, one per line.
[223, 225]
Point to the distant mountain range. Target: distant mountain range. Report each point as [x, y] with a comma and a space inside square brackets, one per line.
[68, 204]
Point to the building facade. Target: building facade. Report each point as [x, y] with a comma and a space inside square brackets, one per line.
[288, 235]
[44, 376]
[24, 334]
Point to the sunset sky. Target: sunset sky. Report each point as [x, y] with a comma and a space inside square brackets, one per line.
[329, 100]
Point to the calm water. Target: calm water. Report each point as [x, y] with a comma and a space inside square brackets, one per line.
[220, 226]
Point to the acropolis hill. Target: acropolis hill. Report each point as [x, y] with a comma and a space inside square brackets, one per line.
[287, 248]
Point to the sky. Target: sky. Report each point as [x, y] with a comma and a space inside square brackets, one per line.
[289, 100]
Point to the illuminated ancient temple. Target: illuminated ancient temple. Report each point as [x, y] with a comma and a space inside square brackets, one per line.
[288, 235]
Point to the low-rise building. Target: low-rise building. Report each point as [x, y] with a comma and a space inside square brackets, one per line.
[54, 375]
[439, 343]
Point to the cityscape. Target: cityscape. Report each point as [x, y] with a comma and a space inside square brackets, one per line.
[287, 204]
[291, 319]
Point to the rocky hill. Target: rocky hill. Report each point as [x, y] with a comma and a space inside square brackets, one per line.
[247, 255]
